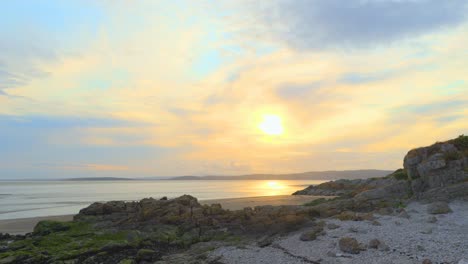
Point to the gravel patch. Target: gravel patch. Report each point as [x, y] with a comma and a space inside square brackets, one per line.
[408, 240]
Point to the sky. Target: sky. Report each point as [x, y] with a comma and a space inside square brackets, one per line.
[165, 88]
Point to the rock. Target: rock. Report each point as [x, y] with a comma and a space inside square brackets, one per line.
[265, 241]
[114, 246]
[427, 231]
[403, 214]
[432, 219]
[47, 227]
[356, 230]
[385, 211]
[350, 245]
[374, 243]
[8, 260]
[164, 198]
[377, 244]
[427, 261]
[332, 226]
[439, 165]
[145, 255]
[312, 234]
[383, 247]
[439, 208]
[127, 261]
[376, 223]
[4, 236]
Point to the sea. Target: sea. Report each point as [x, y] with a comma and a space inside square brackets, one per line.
[23, 199]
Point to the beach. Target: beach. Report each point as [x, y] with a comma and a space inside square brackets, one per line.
[26, 225]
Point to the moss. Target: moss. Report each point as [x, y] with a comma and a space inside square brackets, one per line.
[47, 227]
[400, 174]
[316, 202]
[78, 239]
[453, 155]
[127, 261]
[399, 204]
[461, 142]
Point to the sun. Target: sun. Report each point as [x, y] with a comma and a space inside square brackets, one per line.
[271, 125]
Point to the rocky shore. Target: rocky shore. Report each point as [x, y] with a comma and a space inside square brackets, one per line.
[417, 214]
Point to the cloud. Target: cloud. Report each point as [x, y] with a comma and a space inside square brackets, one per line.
[318, 24]
[86, 167]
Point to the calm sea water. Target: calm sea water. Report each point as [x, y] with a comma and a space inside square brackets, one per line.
[20, 199]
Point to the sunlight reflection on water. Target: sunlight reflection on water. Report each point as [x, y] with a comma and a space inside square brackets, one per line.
[31, 199]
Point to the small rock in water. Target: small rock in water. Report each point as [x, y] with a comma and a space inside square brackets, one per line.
[398, 223]
[376, 223]
[439, 208]
[427, 261]
[350, 245]
[420, 248]
[432, 219]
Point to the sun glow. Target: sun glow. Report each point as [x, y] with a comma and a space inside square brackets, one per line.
[271, 125]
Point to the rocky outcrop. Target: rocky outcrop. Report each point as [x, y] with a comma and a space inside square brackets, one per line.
[186, 212]
[346, 187]
[437, 166]
[434, 173]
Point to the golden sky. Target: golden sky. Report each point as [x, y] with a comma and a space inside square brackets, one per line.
[161, 88]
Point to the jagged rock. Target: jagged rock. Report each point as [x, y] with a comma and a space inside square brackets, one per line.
[439, 165]
[350, 245]
[439, 208]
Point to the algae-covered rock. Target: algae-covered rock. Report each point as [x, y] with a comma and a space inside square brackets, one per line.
[47, 227]
[145, 254]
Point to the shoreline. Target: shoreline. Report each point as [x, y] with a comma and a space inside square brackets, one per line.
[22, 226]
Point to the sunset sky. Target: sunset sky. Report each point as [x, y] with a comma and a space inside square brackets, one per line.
[164, 88]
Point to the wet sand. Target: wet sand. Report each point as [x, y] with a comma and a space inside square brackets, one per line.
[26, 225]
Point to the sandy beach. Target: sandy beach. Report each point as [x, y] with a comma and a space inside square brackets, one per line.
[26, 225]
